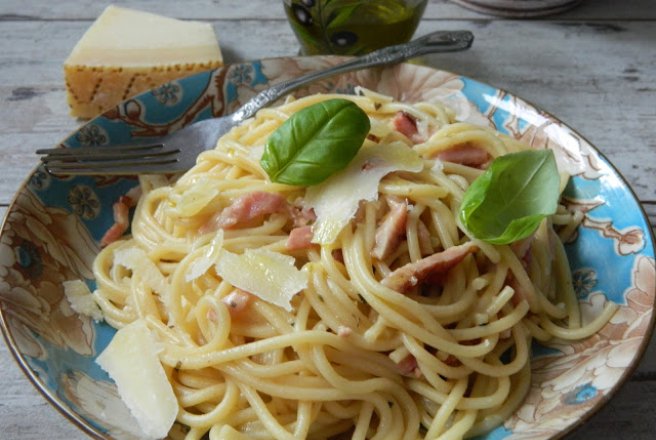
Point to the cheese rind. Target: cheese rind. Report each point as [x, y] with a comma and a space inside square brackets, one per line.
[126, 52]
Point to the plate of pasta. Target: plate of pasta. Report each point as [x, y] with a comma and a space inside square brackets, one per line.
[395, 253]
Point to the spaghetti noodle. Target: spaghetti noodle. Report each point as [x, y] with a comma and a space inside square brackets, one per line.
[407, 328]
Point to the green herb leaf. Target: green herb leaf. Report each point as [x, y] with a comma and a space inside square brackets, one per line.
[510, 199]
[316, 142]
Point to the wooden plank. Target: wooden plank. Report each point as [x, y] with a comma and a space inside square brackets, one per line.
[628, 415]
[605, 91]
[272, 9]
[24, 413]
[594, 69]
[650, 210]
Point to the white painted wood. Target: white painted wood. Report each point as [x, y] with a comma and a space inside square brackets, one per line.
[597, 78]
[594, 67]
[267, 9]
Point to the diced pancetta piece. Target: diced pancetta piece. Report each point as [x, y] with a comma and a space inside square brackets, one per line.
[519, 294]
[466, 154]
[244, 209]
[299, 238]
[413, 274]
[301, 215]
[391, 230]
[521, 249]
[132, 196]
[408, 366]
[237, 301]
[406, 124]
[373, 138]
[452, 361]
[121, 221]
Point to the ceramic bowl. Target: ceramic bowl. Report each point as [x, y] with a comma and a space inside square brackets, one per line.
[52, 229]
[519, 8]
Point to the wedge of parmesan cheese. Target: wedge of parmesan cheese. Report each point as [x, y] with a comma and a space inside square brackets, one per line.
[269, 275]
[126, 52]
[131, 360]
[336, 200]
[81, 299]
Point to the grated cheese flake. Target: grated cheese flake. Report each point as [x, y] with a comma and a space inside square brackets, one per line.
[271, 276]
[147, 273]
[132, 361]
[336, 200]
[81, 299]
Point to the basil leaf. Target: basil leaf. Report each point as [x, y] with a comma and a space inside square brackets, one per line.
[316, 142]
[509, 200]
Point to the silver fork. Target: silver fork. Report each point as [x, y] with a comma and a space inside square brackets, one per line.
[177, 152]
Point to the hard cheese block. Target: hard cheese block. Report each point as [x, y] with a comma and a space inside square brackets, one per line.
[126, 52]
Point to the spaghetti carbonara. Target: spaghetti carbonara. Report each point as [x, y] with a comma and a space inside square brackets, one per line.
[394, 325]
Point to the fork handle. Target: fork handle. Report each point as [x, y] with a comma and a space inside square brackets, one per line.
[440, 41]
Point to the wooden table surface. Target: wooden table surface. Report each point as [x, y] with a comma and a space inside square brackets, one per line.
[594, 67]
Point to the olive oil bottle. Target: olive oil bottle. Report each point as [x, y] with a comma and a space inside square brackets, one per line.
[352, 27]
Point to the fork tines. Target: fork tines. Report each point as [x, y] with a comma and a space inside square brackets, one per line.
[110, 160]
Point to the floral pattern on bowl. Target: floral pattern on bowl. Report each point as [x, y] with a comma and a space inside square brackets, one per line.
[52, 230]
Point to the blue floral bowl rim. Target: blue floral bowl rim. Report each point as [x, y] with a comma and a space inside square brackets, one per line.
[88, 429]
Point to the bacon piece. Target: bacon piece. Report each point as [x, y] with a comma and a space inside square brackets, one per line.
[391, 230]
[237, 301]
[245, 209]
[132, 196]
[413, 274]
[521, 248]
[373, 138]
[466, 154]
[406, 124]
[519, 294]
[299, 238]
[452, 361]
[301, 215]
[121, 221]
[408, 365]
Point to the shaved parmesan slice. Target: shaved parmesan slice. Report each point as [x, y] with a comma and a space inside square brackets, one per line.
[138, 262]
[336, 200]
[131, 360]
[147, 272]
[208, 259]
[269, 275]
[81, 299]
[193, 200]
